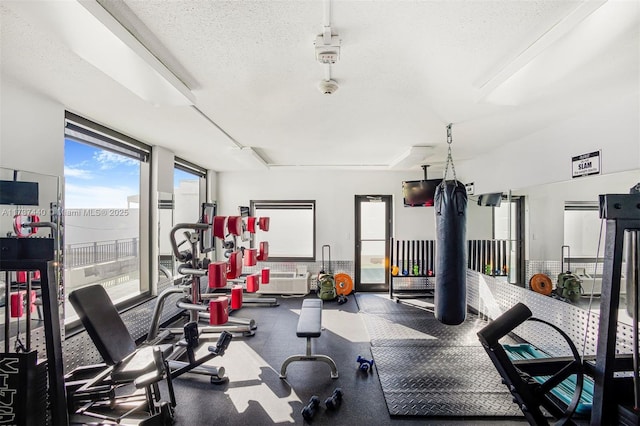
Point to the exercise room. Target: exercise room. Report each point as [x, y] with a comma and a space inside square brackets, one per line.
[326, 212]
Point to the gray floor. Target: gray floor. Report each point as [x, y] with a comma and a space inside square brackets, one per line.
[255, 395]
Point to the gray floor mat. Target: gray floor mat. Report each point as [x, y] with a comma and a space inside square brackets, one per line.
[427, 368]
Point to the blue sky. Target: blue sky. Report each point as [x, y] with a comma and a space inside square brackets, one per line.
[179, 175]
[95, 178]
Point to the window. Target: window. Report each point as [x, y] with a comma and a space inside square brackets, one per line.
[508, 233]
[292, 229]
[105, 192]
[581, 223]
[183, 206]
[188, 191]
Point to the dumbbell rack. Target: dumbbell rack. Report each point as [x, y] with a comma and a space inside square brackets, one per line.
[411, 256]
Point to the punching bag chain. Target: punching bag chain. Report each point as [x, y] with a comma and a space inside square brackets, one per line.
[449, 156]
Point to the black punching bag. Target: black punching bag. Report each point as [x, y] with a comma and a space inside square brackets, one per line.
[450, 296]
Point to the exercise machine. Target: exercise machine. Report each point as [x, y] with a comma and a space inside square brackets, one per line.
[96, 390]
[24, 366]
[616, 390]
[244, 228]
[32, 382]
[213, 310]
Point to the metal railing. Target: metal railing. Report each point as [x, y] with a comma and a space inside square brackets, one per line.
[84, 254]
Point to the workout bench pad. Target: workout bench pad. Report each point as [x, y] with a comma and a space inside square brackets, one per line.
[309, 323]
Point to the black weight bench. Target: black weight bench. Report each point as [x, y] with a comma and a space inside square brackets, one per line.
[309, 326]
[124, 364]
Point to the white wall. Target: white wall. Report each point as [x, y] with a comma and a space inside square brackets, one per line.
[545, 156]
[211, 193]
[31, 140]
[163, 162]
[545, 208]
[31, 131]
[334, 192]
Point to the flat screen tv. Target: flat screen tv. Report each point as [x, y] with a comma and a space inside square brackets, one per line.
[18, 193]
[419, 193]
[207, 243]
[490, 200]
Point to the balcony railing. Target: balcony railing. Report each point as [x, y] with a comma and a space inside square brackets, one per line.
[85, 254]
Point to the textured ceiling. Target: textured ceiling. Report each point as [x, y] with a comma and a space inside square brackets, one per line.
[406, 69]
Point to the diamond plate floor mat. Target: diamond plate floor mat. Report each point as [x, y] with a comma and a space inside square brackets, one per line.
[381, 304]
[421, 329]
[446, 381]
[395, 324]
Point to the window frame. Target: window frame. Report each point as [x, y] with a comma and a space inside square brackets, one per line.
[84, 131]
[282, 204]
[517, 214]
[201, 174]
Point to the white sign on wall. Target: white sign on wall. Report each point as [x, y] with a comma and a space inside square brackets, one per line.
[469, 187]
[585, 164]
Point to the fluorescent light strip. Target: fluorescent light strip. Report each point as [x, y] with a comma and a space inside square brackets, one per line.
[519, 61]
[412, 157]
[329, 166]
[98, 38]
[250, 155]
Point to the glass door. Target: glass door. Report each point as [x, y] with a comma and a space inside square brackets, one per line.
[508, 224]
[372, 233]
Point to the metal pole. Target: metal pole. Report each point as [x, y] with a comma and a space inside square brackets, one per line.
[621, 213]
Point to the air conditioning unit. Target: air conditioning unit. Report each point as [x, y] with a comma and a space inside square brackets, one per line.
[589, 282]
[286, 283]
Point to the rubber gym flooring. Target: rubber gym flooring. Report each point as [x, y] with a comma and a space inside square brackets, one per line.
[424, 373]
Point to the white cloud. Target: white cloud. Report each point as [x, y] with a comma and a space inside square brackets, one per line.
[97, 197]
[75, 172]
[109, 160]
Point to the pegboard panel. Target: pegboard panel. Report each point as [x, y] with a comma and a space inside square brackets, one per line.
[38, 342]
[491, 297]
[548, 267]
[413, 283]
[79, 350]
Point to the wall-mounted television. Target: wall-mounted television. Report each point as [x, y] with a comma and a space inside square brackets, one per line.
[207, 243]
[18, 193]
[490, 200]
[419, 193]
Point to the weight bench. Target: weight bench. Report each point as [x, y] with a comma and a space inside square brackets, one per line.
[93, 390]
[309, 326]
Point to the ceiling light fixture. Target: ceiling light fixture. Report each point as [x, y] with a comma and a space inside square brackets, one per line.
[97, 37]
[411, 158]
[251, 156]
[328, 87]
[511, 66]
[327, 48]
[329, 166]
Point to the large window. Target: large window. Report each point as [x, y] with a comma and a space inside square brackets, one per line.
[182, 206]
[106, 186]
[292, 229]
